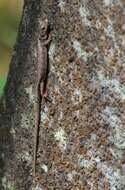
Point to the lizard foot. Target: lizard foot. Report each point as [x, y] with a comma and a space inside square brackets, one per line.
[46, 97]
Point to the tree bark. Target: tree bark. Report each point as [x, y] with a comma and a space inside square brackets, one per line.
[82, 133]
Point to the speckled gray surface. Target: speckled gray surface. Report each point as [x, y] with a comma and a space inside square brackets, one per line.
[82, 133]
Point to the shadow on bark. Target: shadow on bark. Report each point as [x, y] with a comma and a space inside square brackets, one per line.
[15, 102]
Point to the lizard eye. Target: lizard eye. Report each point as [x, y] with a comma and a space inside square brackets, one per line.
[44, 24]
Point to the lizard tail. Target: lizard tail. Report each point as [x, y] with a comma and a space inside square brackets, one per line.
[37, 122]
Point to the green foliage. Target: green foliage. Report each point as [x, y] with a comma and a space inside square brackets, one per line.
[2, 84]
[8, 26]
[9, 21]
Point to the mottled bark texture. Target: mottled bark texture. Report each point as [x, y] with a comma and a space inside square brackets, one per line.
[82, 132]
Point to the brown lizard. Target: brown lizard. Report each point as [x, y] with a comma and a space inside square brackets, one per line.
[42, 72]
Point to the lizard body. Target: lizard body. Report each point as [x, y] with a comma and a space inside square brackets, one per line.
[42, 74]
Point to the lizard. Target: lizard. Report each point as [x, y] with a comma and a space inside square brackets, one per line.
[42, 77]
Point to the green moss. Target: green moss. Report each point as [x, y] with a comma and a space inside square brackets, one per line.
[12, 187]
[2, 84]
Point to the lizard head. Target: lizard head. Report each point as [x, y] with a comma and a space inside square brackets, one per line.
[43, 27]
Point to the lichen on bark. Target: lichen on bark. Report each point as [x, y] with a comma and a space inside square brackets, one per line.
[82, 133]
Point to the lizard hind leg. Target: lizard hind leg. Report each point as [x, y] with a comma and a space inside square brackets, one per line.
[44, 92]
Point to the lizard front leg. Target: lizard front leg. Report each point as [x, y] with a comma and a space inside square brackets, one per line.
[48, 40]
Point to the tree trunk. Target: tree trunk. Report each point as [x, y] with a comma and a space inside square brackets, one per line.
[82, 133]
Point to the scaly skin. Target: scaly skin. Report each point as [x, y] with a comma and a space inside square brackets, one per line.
[42, 70]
